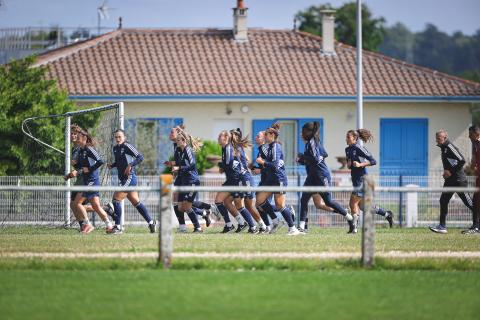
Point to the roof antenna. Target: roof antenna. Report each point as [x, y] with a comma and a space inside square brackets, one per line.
[102, 13]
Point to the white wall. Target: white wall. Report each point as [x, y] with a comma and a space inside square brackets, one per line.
[339, 117]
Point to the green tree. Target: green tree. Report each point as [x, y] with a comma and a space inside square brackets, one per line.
[345, 24]
[24, 93]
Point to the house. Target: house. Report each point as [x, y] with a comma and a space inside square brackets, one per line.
[213, 79]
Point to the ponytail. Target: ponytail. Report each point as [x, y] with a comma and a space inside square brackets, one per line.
[363, 134]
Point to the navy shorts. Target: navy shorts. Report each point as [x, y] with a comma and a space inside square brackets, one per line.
[313, 181]
[282, 183]
[90, 195]
[358, 183]
[188, 196]
[130, 181]
[236, 183]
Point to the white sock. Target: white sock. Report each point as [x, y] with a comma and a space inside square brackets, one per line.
[108, 224]
[275, 221]
[349, 217]
[182, 227]
[240, 219]
[150, 222]
[229, 224]
[262, 224]
[292, 228]
[302, 224]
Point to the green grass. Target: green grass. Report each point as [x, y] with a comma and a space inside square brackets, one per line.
[152, 294]
[319, 240]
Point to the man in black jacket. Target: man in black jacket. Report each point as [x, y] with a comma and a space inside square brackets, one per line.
[454, 176]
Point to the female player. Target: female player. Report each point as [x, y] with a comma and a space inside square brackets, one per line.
[232, 167]
[126, 159]
[200, 208]
[88, 162]
[317, 174]
[186, 169]
[358, 158]
[275, 176]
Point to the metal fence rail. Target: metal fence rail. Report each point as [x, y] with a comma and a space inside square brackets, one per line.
[39, 206]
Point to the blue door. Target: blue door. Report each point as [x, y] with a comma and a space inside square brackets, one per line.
[404, 147]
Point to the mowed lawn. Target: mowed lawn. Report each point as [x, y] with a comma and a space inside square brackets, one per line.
[29, 239]
[204, 294]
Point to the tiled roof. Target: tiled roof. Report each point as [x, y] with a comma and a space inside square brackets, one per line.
[210, 62]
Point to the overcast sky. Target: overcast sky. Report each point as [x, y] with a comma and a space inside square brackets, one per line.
[447, 15]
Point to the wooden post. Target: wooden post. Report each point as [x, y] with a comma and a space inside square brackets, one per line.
[368, 228]
[166, 233]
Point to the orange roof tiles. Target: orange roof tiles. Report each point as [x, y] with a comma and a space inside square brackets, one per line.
[210, 62]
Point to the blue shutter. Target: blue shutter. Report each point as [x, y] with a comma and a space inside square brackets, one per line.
[404, 147]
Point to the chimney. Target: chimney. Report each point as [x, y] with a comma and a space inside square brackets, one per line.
[328, 32]
[240, 22]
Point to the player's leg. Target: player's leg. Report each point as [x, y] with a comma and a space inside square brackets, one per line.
[286, 213]
[95, 202]
[135, 201]
[240, 206]
[219, 199]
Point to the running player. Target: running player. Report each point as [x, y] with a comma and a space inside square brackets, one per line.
[275, 176]
[454, 176]
[358, 158]
[186, 169]
[88, 162]
[232, 167]
[126, 159]
[317, 174]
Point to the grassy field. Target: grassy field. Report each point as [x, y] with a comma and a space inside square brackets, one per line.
[40, 288]
[318, 240]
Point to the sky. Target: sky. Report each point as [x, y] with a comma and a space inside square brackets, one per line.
[448, 15]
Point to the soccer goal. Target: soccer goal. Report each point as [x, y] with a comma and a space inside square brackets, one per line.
[106, 119]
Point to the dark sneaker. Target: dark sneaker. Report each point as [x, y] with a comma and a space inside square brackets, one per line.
[115, 230]
[438, 229]
[152, 226]
[241, 227]
[262, 230]
[352, 228]
[208, 221]
[227, 229]
[253, 230]
[389, 218]
[471, 230]
[197, 230]
[305, 231]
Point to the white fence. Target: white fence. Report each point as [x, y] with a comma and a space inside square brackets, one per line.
[410, 209]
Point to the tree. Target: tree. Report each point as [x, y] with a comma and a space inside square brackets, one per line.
[24, 93]
[345, 24]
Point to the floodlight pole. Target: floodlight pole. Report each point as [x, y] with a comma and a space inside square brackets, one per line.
[67, 171]
[359, 67]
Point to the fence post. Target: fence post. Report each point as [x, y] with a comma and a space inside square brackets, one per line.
[368, 227]
[165, 219]
[400, 203]
[412, 207]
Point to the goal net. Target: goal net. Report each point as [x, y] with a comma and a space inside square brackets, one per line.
[54, 208]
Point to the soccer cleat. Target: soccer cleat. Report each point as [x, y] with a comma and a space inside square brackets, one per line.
[352, 228]
[197, 230]
[152, 226]
[228, 229]
[110, 210]
[471, 230]
[115, 230]
[109, 229]
[241, 227]
[304, 231]
[207, 219]
[389, 218]
[87, 228]
[253, 230]
[438, 229]
[276, 226]
[263, 230]
[182, 230]
[293, 232]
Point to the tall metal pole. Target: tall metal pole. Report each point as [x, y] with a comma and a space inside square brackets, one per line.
[67, 171]
[359, 67]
